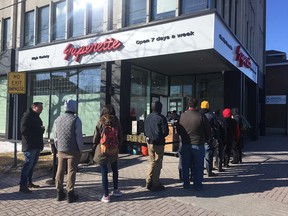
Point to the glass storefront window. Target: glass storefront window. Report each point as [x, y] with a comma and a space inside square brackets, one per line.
[53, 88]
[159, 84]
[96, 13]
[89, 99]
[39, 91]
[135, 12]
[3, 103]
[59, 20]
[188, 6]
[163, 9]
[63, 87]
[43, 25]
[140, 94]
[29, 29]
[182, 86]
[210, 87]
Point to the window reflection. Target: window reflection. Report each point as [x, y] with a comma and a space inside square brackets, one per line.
[77, 18]
[43, 25]
[189, 6]
[7, 34]
[140, 96]
[59, 20]
[29, 29]
[52, 89]
[3, 104]
[163, 9]
[135, 12]
[96, 12]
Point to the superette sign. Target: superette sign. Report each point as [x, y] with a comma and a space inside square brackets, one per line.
[110, 44]
[227, 46]
[169, 38]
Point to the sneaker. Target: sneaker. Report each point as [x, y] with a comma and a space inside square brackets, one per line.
[24, 189]
[31, 185]
[117, 193]
[105, 199]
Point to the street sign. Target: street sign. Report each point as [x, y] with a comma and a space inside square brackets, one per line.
[16, 83]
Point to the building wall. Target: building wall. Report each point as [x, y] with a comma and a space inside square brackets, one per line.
[276, 84]
[244, 18]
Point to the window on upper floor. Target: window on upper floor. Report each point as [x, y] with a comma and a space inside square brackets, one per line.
[59, 20]
[6, 34]
[95, 11]
[43, 25]
[135, 12]
[188, 6]
[29, 36]
[162, 9]
[77, 18]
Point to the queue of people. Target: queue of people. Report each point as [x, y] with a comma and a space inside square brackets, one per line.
[203, 134]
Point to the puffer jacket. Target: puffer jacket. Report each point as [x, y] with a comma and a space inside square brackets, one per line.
[113, 121]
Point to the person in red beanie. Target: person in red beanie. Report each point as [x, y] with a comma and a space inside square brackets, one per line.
[231, 134]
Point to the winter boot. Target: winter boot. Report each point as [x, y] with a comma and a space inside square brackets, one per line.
[60, 195]
[71, 196]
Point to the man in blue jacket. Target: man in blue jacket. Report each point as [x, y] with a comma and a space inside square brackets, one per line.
[32, 130]
[155, 129]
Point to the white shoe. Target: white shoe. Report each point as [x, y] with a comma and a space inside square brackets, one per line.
[117, 193]
[105, 199]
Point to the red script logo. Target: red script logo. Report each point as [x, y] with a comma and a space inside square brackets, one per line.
[109, 44]
[243, 60]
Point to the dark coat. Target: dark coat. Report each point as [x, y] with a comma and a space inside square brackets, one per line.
[31, 127]
[194, 128]
[111, 120]
[156, 128]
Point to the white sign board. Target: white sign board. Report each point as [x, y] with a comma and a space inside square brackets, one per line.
[175, 37]
[230, 49]
[276, 99]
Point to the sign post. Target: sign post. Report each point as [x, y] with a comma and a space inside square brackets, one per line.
[16, 85]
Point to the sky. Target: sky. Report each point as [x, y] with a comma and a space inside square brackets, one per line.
[277, 25]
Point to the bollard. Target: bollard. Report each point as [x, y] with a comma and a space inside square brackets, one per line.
[54, 167]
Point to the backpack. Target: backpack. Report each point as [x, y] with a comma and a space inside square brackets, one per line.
[109, 140]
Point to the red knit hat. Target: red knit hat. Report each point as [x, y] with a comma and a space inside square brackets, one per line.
[226, 113]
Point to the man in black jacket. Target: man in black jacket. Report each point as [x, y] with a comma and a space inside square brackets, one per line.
[32, 130]
[155, 129]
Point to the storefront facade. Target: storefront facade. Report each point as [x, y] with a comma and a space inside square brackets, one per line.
[170, 59]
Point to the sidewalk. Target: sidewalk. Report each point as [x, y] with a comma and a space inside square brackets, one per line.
[258, 186]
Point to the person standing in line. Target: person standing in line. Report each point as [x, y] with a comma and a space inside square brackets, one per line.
[195, 131]
[231, 134]
[155, 130]
[209, 146]
[220, 136]
[32, 130]
[69, 143]
[237, 146]
[108, 119]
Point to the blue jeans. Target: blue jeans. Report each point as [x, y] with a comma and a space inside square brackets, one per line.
[193, 154]
[209, 151]
[104, 172]
[31, 159]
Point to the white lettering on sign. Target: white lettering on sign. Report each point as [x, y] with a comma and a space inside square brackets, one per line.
[276, 99]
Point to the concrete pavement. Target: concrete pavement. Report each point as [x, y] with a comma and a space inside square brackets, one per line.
[258, 186]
